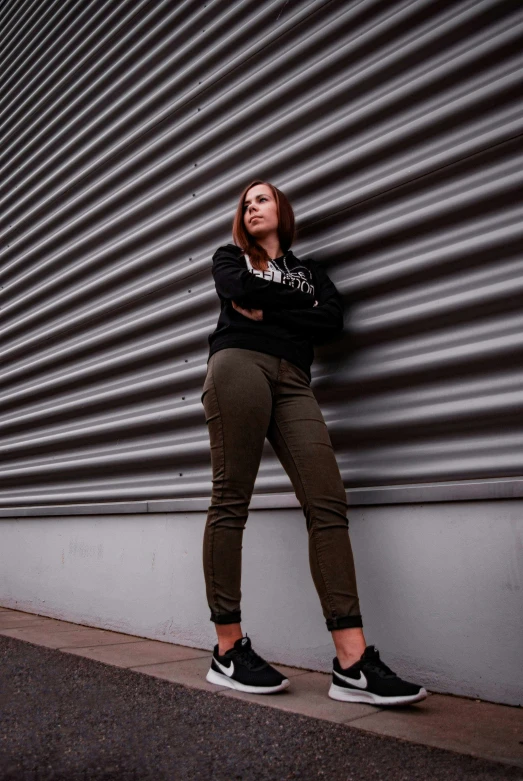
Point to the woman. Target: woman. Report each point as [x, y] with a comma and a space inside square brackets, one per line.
[274, 307]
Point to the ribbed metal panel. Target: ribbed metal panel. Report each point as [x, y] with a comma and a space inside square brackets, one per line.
[127, 130]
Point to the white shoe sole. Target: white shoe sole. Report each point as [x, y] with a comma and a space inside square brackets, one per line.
[222, 680]
[347, 695]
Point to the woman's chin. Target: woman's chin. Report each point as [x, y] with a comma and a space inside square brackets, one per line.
[261, 233]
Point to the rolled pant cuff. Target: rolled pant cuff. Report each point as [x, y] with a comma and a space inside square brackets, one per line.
[347, 622]
[227, 618]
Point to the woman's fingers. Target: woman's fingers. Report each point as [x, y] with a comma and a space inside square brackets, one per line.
[252, 314]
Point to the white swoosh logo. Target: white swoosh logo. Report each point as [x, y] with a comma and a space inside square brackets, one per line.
[360, 683]
[227, 670]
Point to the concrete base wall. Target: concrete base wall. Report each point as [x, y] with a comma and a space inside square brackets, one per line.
[440, 585]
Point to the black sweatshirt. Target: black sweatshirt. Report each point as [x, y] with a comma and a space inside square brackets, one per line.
[286, 293]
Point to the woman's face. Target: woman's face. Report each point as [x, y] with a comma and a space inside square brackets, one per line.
[260, 212]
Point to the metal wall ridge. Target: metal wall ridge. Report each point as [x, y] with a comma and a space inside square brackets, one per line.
[133, 390]
[115, 459]
[128, 131]
[26, 89]
[16, 30]
[492, 490]
[98, 63]
[175, 343]
[42, 40]
[98, 315]
[193, 120]
[473, 248]
[129, 427]
[126, 90]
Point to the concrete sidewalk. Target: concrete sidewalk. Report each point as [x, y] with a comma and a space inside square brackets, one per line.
[489, 731]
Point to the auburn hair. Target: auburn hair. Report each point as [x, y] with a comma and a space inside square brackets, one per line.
[286, 228]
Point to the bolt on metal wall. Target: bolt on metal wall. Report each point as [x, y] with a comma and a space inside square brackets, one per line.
[127, 131]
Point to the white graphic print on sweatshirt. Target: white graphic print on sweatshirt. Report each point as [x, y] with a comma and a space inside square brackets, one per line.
[300, 277]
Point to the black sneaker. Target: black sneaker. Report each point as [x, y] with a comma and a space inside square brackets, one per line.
[241, 668]
[369, 680]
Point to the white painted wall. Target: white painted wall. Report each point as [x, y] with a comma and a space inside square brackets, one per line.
[440, 585]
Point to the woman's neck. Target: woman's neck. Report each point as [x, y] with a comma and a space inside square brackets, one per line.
[271, 245]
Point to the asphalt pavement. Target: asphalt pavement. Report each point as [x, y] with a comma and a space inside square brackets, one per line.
[68, 718]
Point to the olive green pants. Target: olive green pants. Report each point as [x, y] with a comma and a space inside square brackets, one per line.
[248, 396]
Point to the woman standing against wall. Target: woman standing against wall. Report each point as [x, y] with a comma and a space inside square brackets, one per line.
[274, 307]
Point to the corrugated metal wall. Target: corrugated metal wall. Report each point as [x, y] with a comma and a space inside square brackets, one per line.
[127, 130]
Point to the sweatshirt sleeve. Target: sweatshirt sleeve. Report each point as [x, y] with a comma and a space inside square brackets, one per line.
[235, 283]
[324, 321]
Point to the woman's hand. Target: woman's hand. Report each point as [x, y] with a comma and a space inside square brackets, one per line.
[252, 314]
